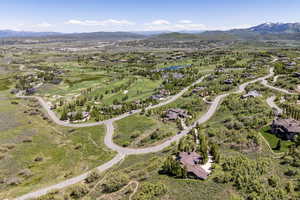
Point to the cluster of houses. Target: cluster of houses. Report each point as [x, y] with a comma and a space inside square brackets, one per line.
[161, 95]
[32, 81]
[290, 64]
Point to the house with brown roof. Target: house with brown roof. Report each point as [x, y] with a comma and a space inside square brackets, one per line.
[286, 128]
[191, 162]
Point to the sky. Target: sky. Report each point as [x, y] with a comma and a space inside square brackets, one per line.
[143, 15]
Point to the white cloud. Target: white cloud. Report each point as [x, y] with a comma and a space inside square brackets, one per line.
[109, 22]
[73, 21]
[185, 22]
[159, 25]
[160, 22]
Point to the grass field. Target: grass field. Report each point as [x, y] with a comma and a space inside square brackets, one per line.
[135, 130]
[140, 89]
[48, 153]
[4, 83]
[273, 140]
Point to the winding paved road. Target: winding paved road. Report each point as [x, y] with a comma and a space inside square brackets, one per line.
[272, 104]
[56, 120]
[266, 84]
[122, 152]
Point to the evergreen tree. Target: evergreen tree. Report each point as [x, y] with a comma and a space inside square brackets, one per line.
[64, 115]
[278, 146]
[215, 152]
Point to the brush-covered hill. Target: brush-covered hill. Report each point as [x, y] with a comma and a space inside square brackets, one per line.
[266, 31]
[211, 35]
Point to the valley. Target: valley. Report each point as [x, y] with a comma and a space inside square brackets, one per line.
[151, 117]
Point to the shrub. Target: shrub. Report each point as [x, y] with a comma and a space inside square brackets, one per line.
[93, 176]
[115, 181]
[150, 191]
[79, 191]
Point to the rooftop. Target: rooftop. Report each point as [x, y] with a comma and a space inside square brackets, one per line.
[290, 124]
[191, 161]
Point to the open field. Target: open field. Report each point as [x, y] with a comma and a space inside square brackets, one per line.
[139, 130]
[92, 85]
[36, 153]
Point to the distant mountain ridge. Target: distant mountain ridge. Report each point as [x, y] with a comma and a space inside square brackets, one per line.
[265, 31]
[80, 36]
[11, 33]
[276, 28]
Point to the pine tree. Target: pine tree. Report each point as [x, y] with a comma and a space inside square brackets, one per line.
[181, 145]
[278, 146]
[64, 115]
[184, 172]
[215, 152]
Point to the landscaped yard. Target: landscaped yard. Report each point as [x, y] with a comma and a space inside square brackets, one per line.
[273, 140]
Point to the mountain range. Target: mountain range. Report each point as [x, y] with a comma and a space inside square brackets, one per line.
[266, 31]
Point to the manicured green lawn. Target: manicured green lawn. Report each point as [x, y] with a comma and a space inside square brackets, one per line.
[273, 140]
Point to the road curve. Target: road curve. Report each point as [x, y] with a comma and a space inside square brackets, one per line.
[122, 152]
[71, 181]
[272, 104]
[266, 84]
[276, 78]
[206, 101]
[56, 120]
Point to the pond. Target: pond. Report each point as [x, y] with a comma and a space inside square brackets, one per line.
[174, 67]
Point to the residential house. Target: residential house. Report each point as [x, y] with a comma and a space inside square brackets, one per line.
[191, 162]
[252, 94]
[161, 95]
[296, 74]
[30, 91]
[174, 114]
[228, 81]
[286, 128]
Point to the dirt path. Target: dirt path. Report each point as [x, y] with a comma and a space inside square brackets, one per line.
[135, 190]
[111, 195]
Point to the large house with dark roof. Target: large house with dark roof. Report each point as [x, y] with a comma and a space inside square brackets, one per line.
[176, 113]
[191, 162]
[286, 128]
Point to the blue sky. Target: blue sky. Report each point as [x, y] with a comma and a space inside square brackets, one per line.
[140, 15]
